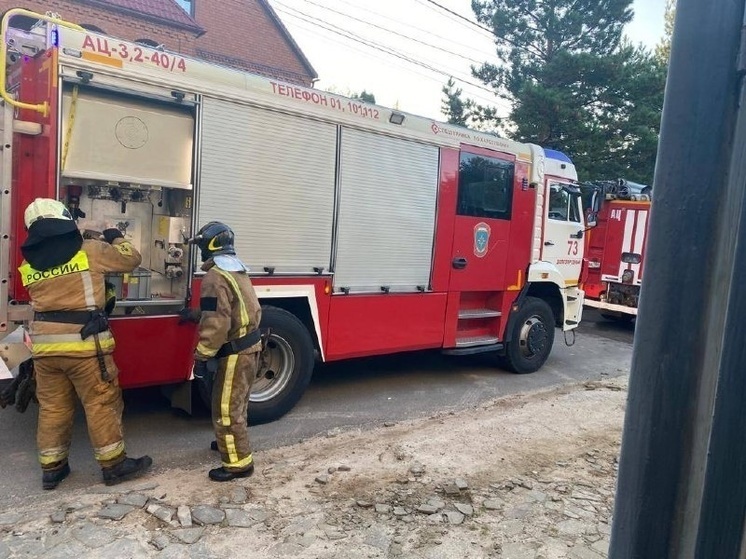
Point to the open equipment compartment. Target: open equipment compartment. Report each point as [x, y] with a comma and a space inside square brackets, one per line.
[126, 161]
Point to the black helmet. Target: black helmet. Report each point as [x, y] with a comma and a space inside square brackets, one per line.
[214, 239]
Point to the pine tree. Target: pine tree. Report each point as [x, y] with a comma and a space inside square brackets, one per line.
[574, 83]
[663, 50]
[362, 96]
[365, 97]
[466, 112]
[454, 107]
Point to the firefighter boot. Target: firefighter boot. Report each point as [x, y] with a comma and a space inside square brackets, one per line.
[127, 469]
[51, 478]
[221, 474]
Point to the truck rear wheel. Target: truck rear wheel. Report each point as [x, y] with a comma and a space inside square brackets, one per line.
[530, 341]
[285, 367]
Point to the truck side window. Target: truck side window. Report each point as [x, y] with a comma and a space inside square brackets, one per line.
[559, 203]
[563, 206]
[575, 209]
[485, 187]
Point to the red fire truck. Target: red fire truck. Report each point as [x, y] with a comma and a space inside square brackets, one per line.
[368, 231]
[615, 246]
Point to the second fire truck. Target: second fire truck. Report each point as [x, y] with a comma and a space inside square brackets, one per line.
[615, 246]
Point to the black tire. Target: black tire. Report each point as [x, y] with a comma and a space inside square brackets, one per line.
[621, 318]
[531, 339]
[289, 348]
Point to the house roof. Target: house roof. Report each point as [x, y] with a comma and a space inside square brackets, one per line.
[167, 12]
[293, 45]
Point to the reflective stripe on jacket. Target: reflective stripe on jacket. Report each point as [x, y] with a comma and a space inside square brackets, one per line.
[229, 310]
[77, 285]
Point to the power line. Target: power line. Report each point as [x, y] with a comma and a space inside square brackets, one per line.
[314, 29]
[410, 26]
[493, 101]
[479, 26]
[349, 35]
[461, 20]
[466, 19]
[394, 32]
[388, 50]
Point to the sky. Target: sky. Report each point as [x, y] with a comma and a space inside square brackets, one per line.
[403, 51]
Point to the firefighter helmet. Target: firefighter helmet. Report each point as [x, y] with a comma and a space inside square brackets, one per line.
[45, 208]
[215, 239]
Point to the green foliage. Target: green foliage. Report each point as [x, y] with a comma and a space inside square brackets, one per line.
[663, 49]
[573, 82]
[365, 97]
[603, 111]
[465, 112]
[454, 107]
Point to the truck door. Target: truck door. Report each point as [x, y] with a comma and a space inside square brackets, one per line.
[482, 225]
[562, 244]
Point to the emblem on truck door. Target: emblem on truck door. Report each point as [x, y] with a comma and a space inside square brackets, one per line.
[481, 239]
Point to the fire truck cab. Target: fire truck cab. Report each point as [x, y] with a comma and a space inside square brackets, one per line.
[615, 247]
[367, 230]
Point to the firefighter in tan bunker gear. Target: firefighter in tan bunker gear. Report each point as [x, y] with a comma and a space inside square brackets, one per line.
[71, 343]
[227, 355]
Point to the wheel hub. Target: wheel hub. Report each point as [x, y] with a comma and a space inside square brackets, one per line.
[276, 365]
[533, 337]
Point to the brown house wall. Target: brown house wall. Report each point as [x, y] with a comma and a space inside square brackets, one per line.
[240, 34]
[244, 30]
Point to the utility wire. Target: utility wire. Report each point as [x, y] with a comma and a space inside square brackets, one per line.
[314, 29]
[394, 32]
[410, 26]
[479, 26]
[466, 19]
[349, 35]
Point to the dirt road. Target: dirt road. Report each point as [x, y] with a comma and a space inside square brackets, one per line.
[520, 477]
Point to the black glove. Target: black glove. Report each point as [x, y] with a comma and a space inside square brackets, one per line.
[22, 389]
[204, 371]
[200, 370]
[111, 234]
[189, 315]
[8, 394]
[26, 391]
[110, 296]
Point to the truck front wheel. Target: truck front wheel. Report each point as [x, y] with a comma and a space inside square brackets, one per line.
[530, 340]
[285, 367]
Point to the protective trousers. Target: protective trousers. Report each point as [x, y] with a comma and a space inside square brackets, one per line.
[230, 403]
[58, 380]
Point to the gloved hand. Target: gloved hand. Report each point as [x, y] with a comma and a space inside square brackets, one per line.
[204, 371]
[26, 388]
[200, 370]
[111, 297]
[189, 315]
[22, 389]
[8, 394]
[111, 234]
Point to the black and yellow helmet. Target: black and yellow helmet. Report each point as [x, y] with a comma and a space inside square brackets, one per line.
[214, 239]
